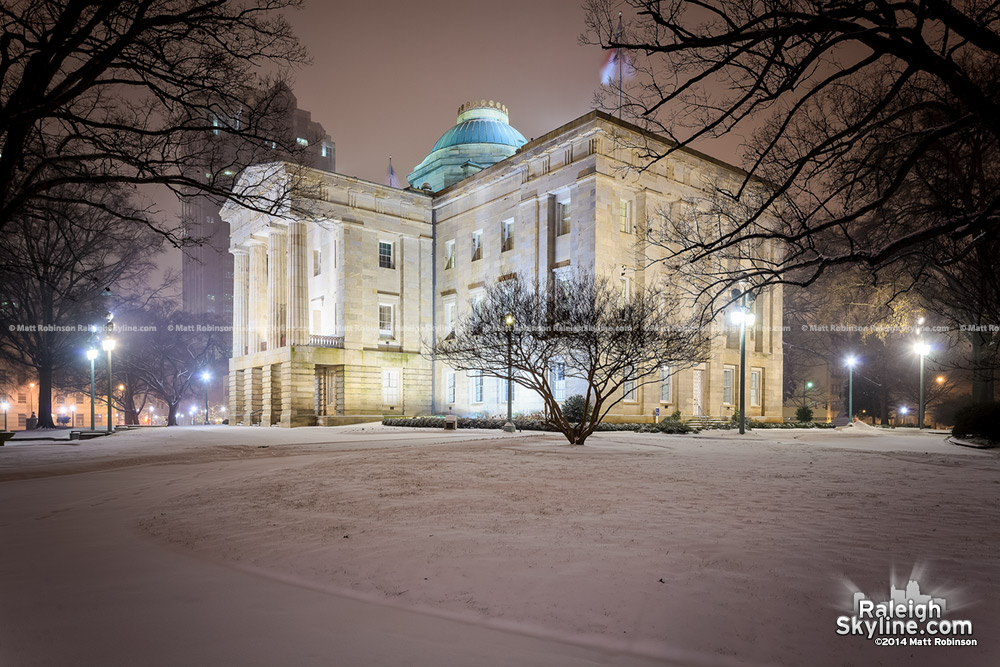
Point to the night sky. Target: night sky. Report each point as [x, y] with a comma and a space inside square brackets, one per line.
[388, 77]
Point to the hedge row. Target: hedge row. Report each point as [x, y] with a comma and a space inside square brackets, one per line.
[755, 425]
[665, 426]
[978, 421]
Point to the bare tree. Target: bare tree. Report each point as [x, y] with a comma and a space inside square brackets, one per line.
[850, 106]
[139, 92]
[604, 337]
[56, 264]
[174, 348]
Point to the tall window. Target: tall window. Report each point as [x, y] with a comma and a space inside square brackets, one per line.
[755, 374]
[449, 381]
[666, 385]
[476, 386]
[507, 235]
[625, 216]
[728, 374]
[385, 320]
[390, 387]
[560, 284]
[477, 245]
[449, 254]
[562, 218]
[316, 306]
[317, 262]
[475, 298]
[629, 388]
[385, 255]
[559, 380]
[449, 316]
[625, 285]
[502, 387]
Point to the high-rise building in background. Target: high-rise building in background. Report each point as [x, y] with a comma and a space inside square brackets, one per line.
[207, 268]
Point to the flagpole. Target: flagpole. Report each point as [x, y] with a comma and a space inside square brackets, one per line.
[619, 66]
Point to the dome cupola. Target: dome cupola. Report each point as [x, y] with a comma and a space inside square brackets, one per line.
[482, 136]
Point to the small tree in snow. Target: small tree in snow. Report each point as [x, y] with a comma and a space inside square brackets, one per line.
[614, 342]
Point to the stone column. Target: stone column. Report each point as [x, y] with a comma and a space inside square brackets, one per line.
[241, 276]
[298, 285]
[271, 394]
[298, 387]
[277, 260]
[237, 395]
[257, 294]
[252, 397]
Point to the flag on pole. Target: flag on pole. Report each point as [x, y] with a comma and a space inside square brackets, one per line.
[390, 176]
[616, 64]
[609, 71]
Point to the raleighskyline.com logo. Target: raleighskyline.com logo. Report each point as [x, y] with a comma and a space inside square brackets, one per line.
[907, 618]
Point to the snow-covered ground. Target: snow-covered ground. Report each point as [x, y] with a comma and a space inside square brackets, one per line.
[377, 546]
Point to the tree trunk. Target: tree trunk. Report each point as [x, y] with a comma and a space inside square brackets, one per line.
[982, 368]
[172, 413]
[45, 398]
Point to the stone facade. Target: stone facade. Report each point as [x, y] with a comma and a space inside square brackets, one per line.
[309, 347]
[332, 314]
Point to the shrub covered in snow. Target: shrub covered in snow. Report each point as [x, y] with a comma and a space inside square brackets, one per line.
[665, 426]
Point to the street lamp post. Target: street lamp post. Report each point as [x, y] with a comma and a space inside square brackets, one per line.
[91, 355]
[109, 345]
[922, 349]
[851, 362]
[6, 406]
[206, 376]
[744, 319]
[31, 399]
[509, 426]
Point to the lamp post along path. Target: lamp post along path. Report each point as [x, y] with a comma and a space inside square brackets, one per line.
[744, 319]
[922, 349]
[91, 355]
[851, 361]
[206, 376]
[109, 346]
[509, 426]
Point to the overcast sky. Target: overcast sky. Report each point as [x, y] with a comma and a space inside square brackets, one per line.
[388, 76]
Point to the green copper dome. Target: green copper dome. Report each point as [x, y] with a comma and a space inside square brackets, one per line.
[480, 137]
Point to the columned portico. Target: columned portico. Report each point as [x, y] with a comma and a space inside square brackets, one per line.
[241, 271]
[277, 293]
[298, 287]
[257, 294]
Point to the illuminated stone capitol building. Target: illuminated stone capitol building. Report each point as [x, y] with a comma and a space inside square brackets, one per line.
[333, 310]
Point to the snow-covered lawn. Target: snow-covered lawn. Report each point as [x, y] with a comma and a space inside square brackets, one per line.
[712, 549]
